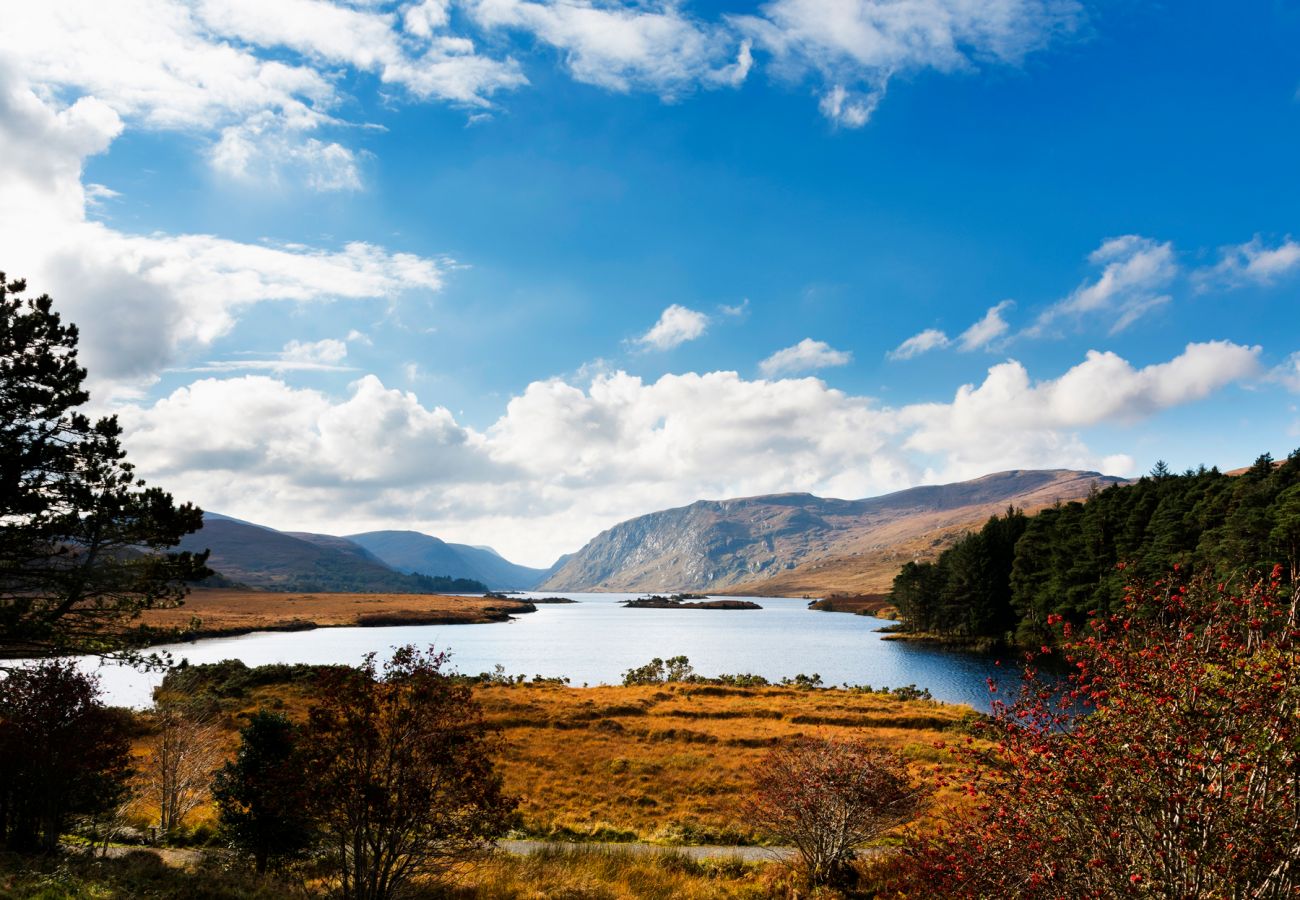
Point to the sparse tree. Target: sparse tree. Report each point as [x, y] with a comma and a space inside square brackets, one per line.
[828, 797]
[62, 753]
[403, 773]
[84, 545]
[183, 754]
[263, 795]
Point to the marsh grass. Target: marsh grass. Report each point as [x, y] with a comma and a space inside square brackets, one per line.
[668, 764]
[583, 873]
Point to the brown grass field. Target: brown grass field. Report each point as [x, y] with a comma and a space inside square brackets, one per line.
[667, 764]
[222, 611]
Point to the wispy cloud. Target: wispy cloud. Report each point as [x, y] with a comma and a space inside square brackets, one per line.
[987, 330]
[924, 342]
[297, 356]
[979, 336]
[1136, 273]
[1253, 262]
[855, 47]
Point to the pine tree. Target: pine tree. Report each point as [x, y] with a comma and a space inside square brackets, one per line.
[83, 542]
[263, 795]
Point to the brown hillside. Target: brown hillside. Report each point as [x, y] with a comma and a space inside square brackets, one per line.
[797, 544]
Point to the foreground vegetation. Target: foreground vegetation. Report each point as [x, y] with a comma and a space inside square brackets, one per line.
[668, 762]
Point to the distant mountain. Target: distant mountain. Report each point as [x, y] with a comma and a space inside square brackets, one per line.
[262, 557]
[793, 544]
[411, 551]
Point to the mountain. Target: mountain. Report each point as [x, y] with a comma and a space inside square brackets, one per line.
[411, 551]
[265, 558]
[793, 544]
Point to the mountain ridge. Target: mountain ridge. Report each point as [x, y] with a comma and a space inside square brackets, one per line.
[261, 557]
[414, 551]
[800, 543]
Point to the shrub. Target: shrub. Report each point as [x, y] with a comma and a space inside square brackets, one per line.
[62, 753]
[827, 798]
[1178, 782]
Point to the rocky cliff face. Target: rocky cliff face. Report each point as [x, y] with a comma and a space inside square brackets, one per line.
[799, 543]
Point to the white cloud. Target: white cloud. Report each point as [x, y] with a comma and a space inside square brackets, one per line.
[260, 150]
[924, 342]
[1136, 272]
[1288, 373]
[297, 356]
[167, 294]
[977, 337]
[804, 357]
[736, 310]
[676, 325]
[851, 109]
[563, 461]
[1251, 263]
[425, 59]
[986, 330]
[220, 67]
[652, 46]
[857, 46]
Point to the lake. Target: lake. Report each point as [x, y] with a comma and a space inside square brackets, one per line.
[595, 640]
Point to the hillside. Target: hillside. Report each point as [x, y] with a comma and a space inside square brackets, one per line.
[411, 551]
[261, 557]
[793, 544]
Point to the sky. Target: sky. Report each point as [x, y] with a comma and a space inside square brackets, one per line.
[511, 271]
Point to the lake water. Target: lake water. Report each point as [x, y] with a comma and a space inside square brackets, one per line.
[595, 640]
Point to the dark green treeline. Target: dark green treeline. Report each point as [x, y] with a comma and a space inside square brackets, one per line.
[1003, 581]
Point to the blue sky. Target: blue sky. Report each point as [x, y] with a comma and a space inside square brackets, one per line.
[510, 271]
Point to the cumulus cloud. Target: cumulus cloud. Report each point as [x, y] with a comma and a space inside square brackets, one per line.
[857, 46]
[923, 342]
[168, 294]
[260, 73]
[804, 357]
[676, 325]
[1253, 262]
[1136, 272]
[564, 461]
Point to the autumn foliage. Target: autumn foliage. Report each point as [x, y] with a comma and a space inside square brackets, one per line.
[1162, 764]
[828, 797]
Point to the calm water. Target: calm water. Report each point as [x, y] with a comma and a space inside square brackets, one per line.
[595, 641]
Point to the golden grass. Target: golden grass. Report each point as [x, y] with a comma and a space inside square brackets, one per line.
[674, 763]
[669, 764]
[612, 874]
[222, 610]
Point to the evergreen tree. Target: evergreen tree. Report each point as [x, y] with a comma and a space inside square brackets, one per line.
[83, 542]
[1075, 558]
[263, 794]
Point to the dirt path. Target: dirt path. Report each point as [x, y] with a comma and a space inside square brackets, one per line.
[703, 851]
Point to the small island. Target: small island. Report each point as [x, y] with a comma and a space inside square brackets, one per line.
[553, 600]
[685, 601]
